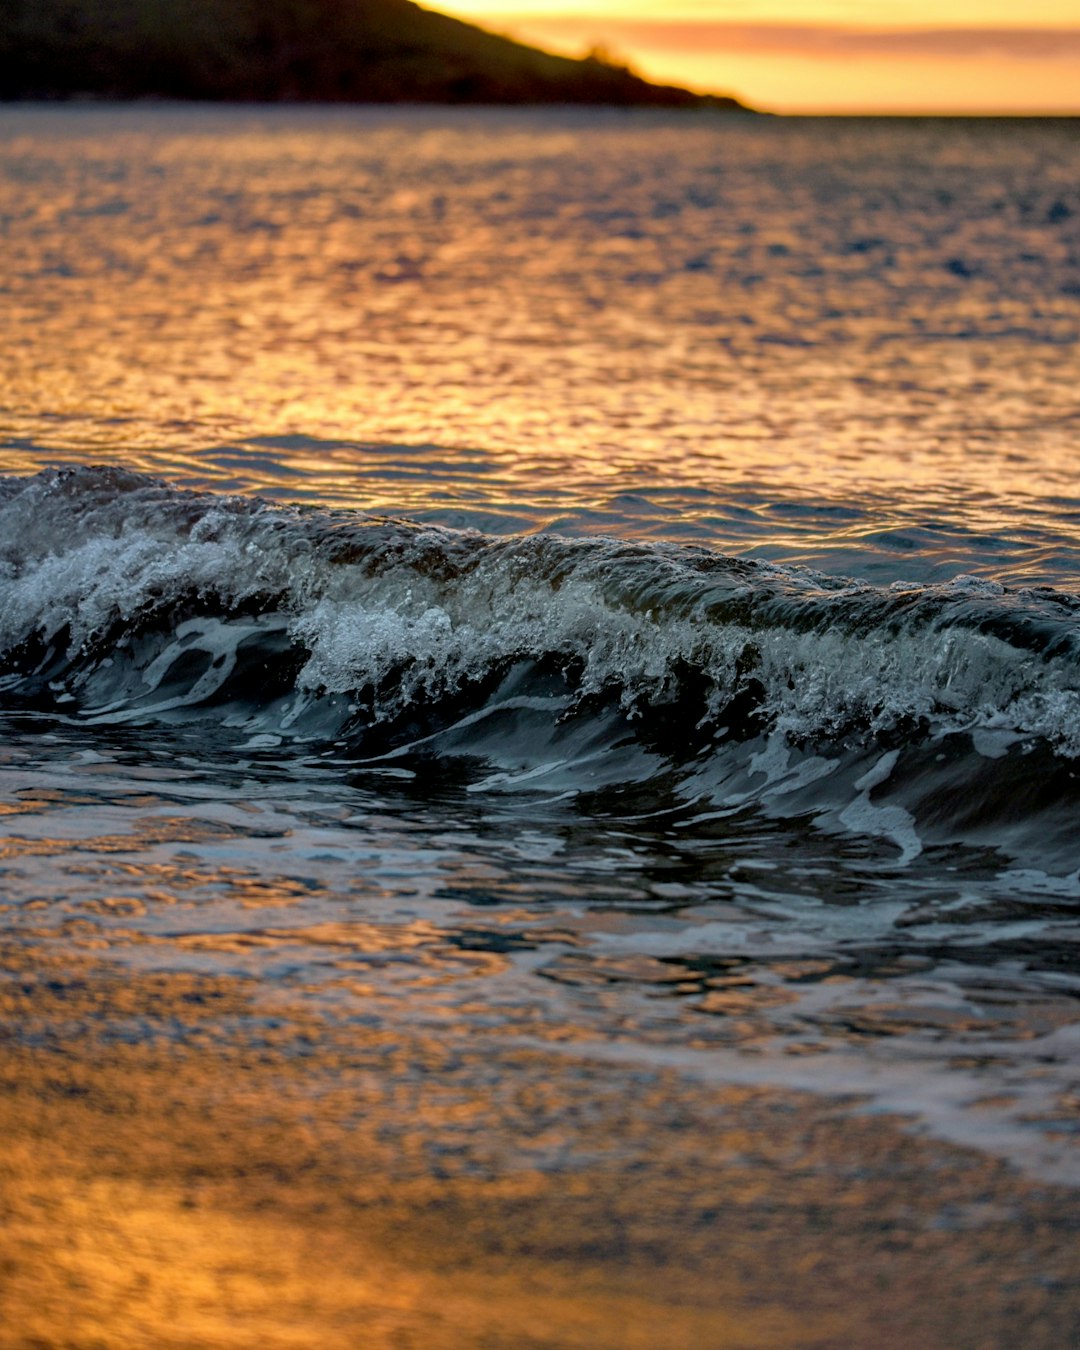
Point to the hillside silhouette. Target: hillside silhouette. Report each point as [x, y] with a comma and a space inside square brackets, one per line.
[333, 51]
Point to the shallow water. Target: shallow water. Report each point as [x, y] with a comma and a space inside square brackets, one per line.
[599, 582]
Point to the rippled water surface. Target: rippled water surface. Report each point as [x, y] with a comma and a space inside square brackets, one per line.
[598, 587]
[851, 343]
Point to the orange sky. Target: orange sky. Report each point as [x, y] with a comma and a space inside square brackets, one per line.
[824, 55]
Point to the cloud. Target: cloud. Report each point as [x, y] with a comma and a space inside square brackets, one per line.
[817, 40]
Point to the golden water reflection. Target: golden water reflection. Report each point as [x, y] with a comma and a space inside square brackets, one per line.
[525, 321]
[305, 1182]
[278, 1072]
[288, 1061]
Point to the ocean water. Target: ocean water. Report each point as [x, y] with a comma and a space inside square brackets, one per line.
[604, 584]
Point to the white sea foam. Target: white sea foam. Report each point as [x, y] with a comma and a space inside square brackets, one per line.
[412, 614]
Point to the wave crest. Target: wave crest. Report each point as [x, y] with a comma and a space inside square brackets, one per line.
[112, 585]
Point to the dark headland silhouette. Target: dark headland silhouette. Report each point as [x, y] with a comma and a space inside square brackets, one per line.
[332, 51]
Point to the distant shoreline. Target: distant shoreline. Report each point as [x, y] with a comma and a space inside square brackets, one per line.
[91, 100]
[301, 51]
[103, 101]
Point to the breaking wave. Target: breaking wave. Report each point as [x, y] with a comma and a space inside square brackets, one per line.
[926, 713]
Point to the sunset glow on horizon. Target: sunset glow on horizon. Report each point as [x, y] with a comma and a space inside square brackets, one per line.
[890, 56]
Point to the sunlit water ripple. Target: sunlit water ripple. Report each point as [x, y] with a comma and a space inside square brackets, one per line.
[536, 759]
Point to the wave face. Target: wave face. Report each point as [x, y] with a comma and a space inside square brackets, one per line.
[923, 715]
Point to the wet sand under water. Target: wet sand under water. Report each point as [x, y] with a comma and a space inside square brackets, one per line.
[180, 1169]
